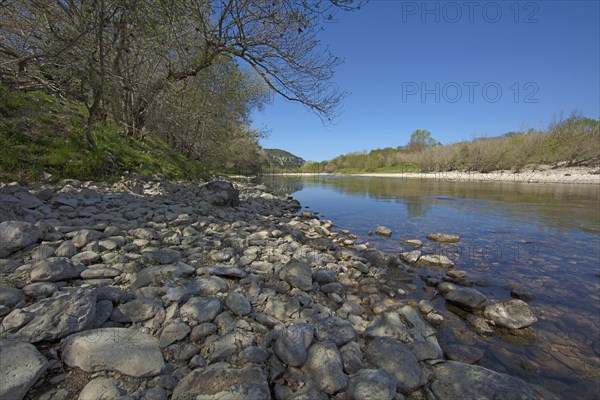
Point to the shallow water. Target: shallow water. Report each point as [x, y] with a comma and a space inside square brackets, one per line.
[545, 237]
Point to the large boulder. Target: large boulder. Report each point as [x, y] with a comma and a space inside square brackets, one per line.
[394, 357]
[114, 349]
[15, 235]
[21, 365]
[222, 193]
[224, 381]
[467, 298]
[292, 342]
[51, 318]
[325, 367]
[55, 269]
[455, 380]
[372, 384]
[298, 274]
[512, 314]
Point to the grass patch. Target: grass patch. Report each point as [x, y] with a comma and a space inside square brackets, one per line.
[44, 133]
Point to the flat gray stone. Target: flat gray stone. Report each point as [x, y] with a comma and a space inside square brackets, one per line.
[201, 309]
[467, 298]
[398, 360]
[55, 269]
[173, 332]
[102, 389]
[138, 310]
[335, 329]
[372, 384]
[156, 274]
[455, 380]
[85, 236]
[238, 304]
[51, 318]
[40, 289]
[325, 368]
[443, 238]
[292, 342]
[100, 273]
[15, 235]
[512, 314]
[352, 357]
[224, 381]
[298, 274]
[86, 257]
[10, 296]
[114, 349]
[436, 260]
[21, 365]
[66, 249]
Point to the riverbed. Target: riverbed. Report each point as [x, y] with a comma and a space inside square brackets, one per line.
[542, 239]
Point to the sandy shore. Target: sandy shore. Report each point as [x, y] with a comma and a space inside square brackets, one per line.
[573, 175]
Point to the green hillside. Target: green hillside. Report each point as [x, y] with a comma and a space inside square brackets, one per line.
[40, 133]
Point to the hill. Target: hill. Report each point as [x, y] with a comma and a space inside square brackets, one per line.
[284, 159]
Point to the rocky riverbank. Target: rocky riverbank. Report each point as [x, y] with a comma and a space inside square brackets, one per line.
[147, 289]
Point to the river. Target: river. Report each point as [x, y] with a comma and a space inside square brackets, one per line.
[543, 237]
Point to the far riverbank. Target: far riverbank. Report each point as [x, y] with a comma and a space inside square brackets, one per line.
[544, 174]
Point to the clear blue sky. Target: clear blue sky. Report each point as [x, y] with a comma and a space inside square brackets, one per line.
[552, 54]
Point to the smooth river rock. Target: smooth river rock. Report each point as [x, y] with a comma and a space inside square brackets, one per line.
[443, 238]
[397, 359]
[21, 365]
[298, 274]
[372, 384]
[325, 368]
[55, 269]
[467, 298]
[292, 342]
[114, 349]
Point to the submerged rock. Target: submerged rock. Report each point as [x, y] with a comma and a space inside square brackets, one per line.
[436, 260]
[383, 231]
[443, 238]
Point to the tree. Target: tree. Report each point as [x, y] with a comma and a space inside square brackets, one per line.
[121, 56]
[421, 139]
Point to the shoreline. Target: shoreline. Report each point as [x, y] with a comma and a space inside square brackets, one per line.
[222, 290]
[571, 175]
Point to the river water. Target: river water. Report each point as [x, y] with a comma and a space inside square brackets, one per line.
[544, 237]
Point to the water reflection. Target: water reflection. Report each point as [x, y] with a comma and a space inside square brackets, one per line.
[542, 237]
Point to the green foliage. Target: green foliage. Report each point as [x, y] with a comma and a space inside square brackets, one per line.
[421, 139]
[573, 141]
[43, 133]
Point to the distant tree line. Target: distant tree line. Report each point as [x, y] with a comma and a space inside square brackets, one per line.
[190, 71]
[570, 142]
